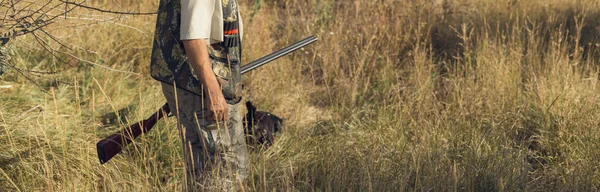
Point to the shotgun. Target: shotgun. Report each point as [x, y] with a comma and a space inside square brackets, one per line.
[113, 144]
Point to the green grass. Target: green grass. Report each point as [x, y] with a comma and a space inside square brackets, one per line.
[457, 95]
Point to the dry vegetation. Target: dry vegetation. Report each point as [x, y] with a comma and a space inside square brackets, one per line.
[475, 95]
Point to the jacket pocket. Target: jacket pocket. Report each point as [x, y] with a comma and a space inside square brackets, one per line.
[229, 77]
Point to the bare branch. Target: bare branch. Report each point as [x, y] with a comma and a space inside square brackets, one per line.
[108, 11]
[23, 17]
[20, 71]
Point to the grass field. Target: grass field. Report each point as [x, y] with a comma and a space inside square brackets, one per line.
[397, 95]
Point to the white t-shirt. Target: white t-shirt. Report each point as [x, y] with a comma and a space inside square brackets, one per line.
[203, 19]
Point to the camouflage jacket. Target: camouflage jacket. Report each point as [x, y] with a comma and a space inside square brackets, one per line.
[169, 62]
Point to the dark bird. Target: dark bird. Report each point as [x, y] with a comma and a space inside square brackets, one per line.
[261, 127]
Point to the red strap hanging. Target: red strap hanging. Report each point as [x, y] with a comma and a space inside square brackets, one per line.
[231, 32]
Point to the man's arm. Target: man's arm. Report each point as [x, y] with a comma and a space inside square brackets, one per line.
[197, 53]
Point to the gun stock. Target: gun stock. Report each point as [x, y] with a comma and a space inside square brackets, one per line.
[113, 144]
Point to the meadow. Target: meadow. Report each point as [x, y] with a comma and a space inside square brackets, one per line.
[397, 95]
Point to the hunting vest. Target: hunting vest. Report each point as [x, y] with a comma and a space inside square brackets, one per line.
[169, 62]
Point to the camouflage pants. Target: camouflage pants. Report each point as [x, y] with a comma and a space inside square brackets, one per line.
[215, 153]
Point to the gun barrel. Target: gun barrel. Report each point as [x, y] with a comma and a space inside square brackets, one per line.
[275, 55]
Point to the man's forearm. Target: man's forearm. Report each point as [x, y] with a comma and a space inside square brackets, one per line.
[197, 53]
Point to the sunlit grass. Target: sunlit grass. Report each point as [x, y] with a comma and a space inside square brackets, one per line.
[396, 95]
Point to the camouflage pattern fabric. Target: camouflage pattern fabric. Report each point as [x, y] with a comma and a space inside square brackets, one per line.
[213, 152]
[169, 62]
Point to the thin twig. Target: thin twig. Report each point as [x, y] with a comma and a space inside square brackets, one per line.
[98, 65]
[33, 71]
[57, 41]
[39, 40]
[25, 113]
[108, 11]
[46, 23]
[29, 79]
[105, 21]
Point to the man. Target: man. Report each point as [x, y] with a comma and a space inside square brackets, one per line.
[196, 56]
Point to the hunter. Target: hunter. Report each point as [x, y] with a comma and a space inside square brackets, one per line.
[196, 55]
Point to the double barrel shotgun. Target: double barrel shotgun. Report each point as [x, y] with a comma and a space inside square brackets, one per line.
[113, 144]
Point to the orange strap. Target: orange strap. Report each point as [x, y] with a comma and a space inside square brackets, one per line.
[231, 32]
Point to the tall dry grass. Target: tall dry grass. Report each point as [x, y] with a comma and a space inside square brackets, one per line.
[396, 95]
